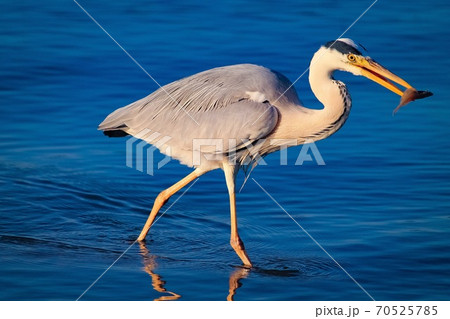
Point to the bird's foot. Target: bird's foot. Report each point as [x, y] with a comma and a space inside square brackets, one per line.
[239, 248]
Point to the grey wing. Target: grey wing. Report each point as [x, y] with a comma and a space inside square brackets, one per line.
[240, 123]
[219, 132]
[234, 102]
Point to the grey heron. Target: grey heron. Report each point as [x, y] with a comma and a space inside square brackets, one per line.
[248, 104]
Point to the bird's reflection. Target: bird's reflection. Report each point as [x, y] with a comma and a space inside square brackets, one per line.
[157, 282]
[234, 281]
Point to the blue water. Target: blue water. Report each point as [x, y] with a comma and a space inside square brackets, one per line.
[69, 205]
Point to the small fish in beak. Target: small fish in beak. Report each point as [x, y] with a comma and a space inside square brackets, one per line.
[409, 95]
[379, 74]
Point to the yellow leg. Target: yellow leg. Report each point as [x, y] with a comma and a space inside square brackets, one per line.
[235, 240]
[164, 196]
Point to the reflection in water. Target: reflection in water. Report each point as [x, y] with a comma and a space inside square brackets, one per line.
[157, 282]
[306, 268]
[234, 281]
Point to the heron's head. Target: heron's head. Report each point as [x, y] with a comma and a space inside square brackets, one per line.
[344, 55]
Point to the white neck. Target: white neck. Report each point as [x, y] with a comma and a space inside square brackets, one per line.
[331, 93]
[303, 123]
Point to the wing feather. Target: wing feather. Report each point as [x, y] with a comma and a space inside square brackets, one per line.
[206, 91]
[213, 104]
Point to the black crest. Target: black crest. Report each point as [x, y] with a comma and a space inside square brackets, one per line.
[342, 47]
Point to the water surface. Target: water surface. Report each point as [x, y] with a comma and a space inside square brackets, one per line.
[70, 206]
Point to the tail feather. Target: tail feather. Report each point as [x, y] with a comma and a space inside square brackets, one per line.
[115, 133]
[114, 125]
[113, 129]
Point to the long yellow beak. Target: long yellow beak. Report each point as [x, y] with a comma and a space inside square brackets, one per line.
[377, 73]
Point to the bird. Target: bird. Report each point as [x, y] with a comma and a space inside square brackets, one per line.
[240, 113]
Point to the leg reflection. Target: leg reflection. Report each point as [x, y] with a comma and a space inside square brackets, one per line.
[157, 282]
[234, 281]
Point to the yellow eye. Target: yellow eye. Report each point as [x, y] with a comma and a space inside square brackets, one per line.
[351, 57]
